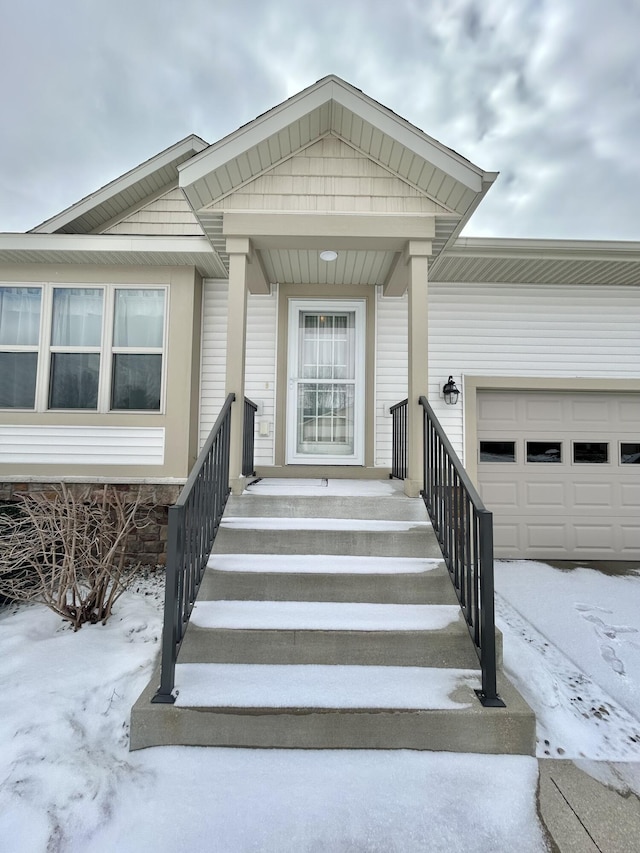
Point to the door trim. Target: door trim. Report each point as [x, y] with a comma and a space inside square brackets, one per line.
[359, 307]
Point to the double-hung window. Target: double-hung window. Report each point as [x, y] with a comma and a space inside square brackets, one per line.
[20, 311]
[76, 339]
[91, 348]
[138, 331]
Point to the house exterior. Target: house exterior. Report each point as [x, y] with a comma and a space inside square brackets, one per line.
[126, 320]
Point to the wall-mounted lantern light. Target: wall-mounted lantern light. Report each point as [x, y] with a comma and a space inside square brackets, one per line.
[450, 392]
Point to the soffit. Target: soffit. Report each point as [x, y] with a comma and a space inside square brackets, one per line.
[107, 250]
[300, 266]
[540, 262]
[117, 197]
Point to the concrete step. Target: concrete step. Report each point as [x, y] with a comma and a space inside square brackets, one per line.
[396, 507]
[341, 633]
[415, 542]
[431, 586]
[443, 713]
[327, 633]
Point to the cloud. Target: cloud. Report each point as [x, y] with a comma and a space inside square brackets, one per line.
[545, 91]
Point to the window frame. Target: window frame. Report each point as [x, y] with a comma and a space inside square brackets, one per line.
[106, 350]
[20, 348]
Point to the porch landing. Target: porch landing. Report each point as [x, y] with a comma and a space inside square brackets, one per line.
[326, 619]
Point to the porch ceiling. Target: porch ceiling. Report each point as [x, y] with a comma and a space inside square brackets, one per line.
[304, 266]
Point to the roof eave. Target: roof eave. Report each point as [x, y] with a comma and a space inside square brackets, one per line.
[190, 144]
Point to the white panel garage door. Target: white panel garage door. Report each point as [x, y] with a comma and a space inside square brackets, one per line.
[561, 473]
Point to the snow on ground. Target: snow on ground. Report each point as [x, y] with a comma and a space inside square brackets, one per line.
[68, 782]
[572, 647]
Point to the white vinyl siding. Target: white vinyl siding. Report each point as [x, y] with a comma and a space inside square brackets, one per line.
[214, 353]
[81, 445]
[168, 215]
[391, 368]
[528, 330]
[260, 369]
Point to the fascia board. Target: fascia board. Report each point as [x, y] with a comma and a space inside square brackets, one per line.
[191, 143]
[103, 243]
[351, 99]
[500, 247]
[251, 134]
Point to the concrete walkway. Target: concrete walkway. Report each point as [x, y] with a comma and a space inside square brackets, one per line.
[584, 816]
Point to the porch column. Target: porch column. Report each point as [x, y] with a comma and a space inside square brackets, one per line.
[418, 345]
[236, 347]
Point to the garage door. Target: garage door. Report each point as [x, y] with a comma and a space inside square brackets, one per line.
[561, 473]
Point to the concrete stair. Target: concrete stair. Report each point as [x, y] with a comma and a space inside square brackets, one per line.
[337, 634]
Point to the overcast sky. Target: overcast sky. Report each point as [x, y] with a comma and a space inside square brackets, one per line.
[547, 92]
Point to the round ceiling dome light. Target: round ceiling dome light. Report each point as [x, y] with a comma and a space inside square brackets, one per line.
[328, 255]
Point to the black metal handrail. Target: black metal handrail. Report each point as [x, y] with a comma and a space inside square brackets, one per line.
[399, 440]
[250, 409]
[464, 529]
[193, 523]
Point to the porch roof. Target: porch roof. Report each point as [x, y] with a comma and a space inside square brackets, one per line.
[333, 107]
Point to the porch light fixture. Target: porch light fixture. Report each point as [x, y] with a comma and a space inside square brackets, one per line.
[328, 255]
[450, 392]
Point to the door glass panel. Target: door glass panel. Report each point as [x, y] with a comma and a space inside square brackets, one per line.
[497, 451]
[326, 389]
[630, 453]
[325, 418]
[544, 451]
[591, 451]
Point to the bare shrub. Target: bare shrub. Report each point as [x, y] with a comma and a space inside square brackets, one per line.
[69, 550]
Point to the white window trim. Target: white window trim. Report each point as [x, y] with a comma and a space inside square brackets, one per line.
[106, 349]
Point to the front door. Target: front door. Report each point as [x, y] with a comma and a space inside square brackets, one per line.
[326, 371]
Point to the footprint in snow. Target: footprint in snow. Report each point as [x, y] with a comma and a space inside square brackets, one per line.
[610, 657]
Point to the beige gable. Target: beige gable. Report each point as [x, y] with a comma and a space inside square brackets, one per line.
[167, 215]
[330, 175]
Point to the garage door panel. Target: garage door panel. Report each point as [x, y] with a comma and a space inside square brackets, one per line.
[508, 535]
[545, 410]
[545, 536]
[499, 494]
[629, 413]
[630, 495]
[593, 536]
[562, 509]
[544, 495]
[592, 495]
[500, 412]
[594, 412]
[630, 535]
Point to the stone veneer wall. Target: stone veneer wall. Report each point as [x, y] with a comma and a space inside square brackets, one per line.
[148, 545]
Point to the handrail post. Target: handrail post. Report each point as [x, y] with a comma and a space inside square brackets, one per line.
[192, 526]
[171, 611]
[488, 695]
[453, 504]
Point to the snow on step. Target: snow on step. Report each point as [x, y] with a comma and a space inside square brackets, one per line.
[310, 686]
[266, 523]
[323, 616]
[321, 564]
[344, 488]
